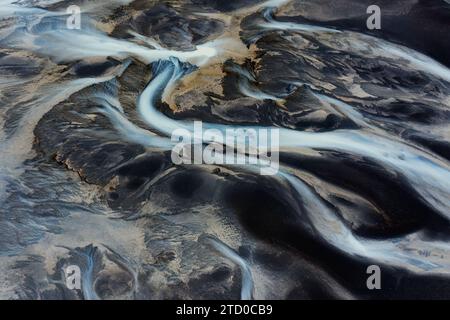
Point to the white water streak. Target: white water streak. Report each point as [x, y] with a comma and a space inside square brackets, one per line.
[247, 279]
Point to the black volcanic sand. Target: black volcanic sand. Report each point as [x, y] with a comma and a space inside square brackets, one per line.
[137, 225]
[420, 24]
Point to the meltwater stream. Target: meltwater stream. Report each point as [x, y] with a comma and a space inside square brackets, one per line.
[86, 176]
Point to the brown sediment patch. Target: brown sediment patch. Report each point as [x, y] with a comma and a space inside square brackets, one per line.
[208, 79]
[194, 86]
